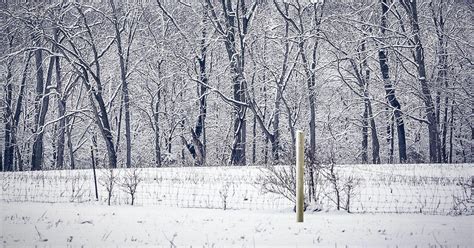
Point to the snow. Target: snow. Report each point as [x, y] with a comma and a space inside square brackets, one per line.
[96, 225]
[432, 189]
[183, 207]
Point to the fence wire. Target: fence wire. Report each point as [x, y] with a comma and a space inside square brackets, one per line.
[440, 189]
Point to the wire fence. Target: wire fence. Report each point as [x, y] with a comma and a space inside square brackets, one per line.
[427, 189]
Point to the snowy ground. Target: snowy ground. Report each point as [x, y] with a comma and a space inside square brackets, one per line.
[415, 188]
[97, 225]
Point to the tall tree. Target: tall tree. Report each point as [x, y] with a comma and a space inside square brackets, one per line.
[442, 81]
[197, 145]
[389, 88]
[233, 28]
[281, 77]
[410, 7]
[90, 72]
[368, 112]
[61, 105]
[124, 57]
[7, 114]
[41, 100]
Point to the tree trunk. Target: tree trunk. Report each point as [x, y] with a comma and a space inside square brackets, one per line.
[102, 119]
[123, 77]
[16, 116]
[310, 83]
[198, 148]
[231, 27]
[36, 159]
[390, 90]
[254, 140]
[444, 131]
[8, 156]
[451, 131]
[368, 115]
[365, 135]
[374, 136]
[279, 95]
[104, 127]
[254, 124]
[61, 110]
[238, 154]
[199, 132]
[155, 108]
[8, 118]
[70, 148]
[156, 119]
[364, 85]
[264, 116]
[390, 135]
[442, 78]
[61, 134]
[433, 133]
[41, 104]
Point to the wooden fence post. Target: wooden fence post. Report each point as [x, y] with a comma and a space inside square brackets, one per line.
[299, 176]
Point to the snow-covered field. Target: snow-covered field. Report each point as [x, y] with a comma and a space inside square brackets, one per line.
[393, 205]
[427, 189]
[97, 225]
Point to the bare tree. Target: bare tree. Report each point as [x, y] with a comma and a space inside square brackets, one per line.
[233, 28]
[124, 57]
[309, 62]
[41, 101]
[87, 71]
[109, 180]
[389, 88]
[130, 182]
[349, 70]
[410, 8]
[438, 18]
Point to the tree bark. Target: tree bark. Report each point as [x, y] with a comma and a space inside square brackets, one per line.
[375, 139]
[41, 104]
[231, 28]
[70, 148]
[155, 109]
[8, 156]
[156, 119]
[61, 110]
[365, 134]
[441, 79]
[368, 110]
[390, 90]
[311, 83]
[18, 109]
[433, 133]
[198, 135]
[274, 136]
[95, 93]
[8, 118]
[451, 131]
[123, 77]
[102, 119]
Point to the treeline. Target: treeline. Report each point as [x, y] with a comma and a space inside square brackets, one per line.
[154, 83]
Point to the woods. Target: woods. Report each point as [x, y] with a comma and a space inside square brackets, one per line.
[159, 83]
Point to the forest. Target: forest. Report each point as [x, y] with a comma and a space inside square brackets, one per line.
[154, 83]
